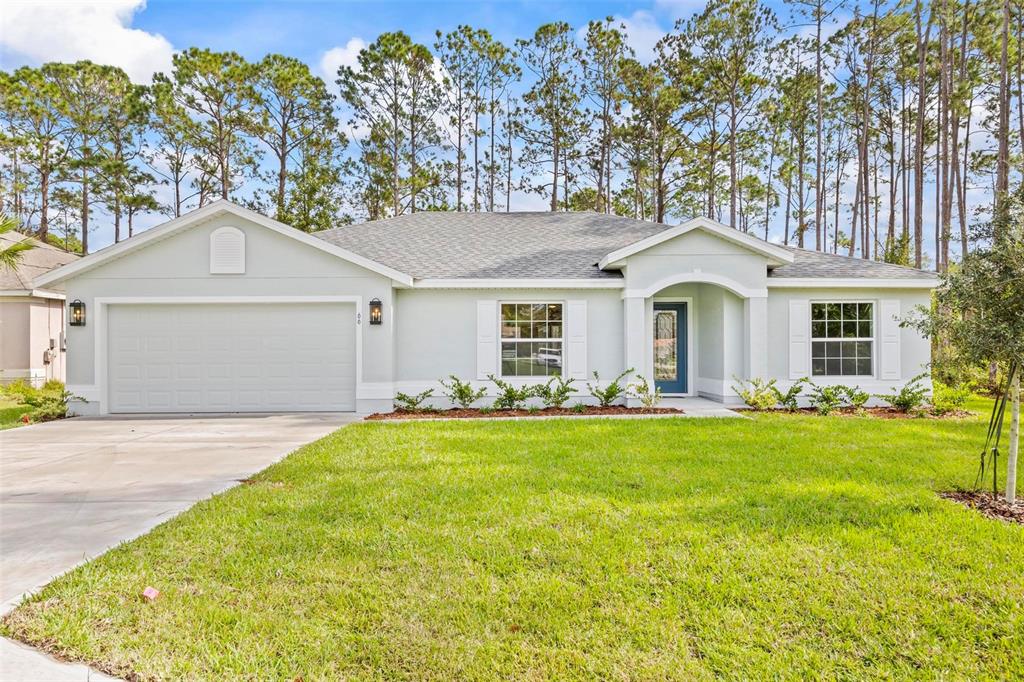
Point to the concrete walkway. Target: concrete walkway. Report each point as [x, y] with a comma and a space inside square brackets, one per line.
[72, 489]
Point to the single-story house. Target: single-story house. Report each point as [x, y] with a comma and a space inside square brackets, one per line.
[31, 318]
[226, 310]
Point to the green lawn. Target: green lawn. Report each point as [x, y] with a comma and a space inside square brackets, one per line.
[10, 413]
[783, 547]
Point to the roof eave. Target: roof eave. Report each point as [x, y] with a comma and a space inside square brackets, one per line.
[851, 283]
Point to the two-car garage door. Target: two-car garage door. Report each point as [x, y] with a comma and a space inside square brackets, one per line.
[248, 357]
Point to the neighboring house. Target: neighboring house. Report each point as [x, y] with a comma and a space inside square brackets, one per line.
[31, 318]
[225, 310]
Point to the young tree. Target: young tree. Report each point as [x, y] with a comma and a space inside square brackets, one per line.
[979, 307]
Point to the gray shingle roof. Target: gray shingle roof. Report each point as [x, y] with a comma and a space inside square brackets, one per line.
[817, 264]
[33, 262]
[493, 245]
[540, 246]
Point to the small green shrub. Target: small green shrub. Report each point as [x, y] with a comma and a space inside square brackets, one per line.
[511, 397]
[642, 390]
[757, 393]
[486, 409]
[790, 399]
[20, 390]
[579, 408]
[946, 399]
[412, 403]
[48, 402]
[909, 398]
[556, 392]
[533, 409]
[856, 397]
[610, 393]
[827, 399]
[461, 392]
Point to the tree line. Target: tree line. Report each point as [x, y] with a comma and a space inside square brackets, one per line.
[848, 139]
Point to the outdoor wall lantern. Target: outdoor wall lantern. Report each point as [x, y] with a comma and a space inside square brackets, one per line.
[77, 313]
[376, 311]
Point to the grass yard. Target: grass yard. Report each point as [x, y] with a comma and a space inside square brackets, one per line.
[10, 413]
[786, 546]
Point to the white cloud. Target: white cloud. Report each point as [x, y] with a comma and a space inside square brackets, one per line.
[336, 57]
[643, 34]
[51, 30]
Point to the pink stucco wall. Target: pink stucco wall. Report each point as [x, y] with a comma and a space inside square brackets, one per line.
[27, 324]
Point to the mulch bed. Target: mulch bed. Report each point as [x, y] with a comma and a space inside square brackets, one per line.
[459, 413]
[879, 412]
[987, 504]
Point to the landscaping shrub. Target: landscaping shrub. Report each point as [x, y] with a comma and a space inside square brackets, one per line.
[579, 408]
[556, 392]
[511, 397]
[48, 402]
[827, 399]
[856, 397]
[760, 394]
[946, 399]
[412, 403]
[612, 392]
[642, 389]
[461, 392]
[790, 399]
[909, 398]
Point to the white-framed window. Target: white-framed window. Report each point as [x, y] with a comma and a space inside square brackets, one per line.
[532, 338]
[842, 338]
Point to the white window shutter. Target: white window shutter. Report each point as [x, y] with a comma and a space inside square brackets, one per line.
[576, 329]
[799, 338]
[889, 333]
[486, 338]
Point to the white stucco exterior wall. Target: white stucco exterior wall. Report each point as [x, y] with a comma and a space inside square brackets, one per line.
[276, 266]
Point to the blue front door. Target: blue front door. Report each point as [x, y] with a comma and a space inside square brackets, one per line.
[670, 347]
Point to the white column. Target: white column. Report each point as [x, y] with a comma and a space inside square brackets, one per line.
[634, 309]
[755, 337]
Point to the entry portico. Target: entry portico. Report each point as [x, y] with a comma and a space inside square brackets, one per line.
[720, 279]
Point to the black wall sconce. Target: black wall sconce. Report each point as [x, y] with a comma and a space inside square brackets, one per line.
[376, 311]
[77, 309]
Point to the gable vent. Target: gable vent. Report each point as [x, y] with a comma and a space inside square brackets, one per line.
[227, 251]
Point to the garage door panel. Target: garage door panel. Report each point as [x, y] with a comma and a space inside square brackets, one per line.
[228, 358]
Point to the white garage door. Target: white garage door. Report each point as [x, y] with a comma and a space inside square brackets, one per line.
[231, 358]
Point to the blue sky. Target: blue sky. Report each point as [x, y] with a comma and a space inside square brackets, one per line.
[308, 29]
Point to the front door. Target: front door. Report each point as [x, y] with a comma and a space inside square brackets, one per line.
[670, 347]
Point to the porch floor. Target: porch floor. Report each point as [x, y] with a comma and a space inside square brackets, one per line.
[699, 407]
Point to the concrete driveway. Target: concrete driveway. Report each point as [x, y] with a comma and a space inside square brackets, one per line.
[70, 490]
